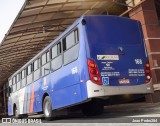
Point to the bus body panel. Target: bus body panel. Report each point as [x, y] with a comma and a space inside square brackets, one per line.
[64, 88]
[38, 95]
[105, 91]
[70, 87]
[10, 107]
[71, 84]
[118, 49]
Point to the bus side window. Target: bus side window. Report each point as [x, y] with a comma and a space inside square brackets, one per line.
[54, 52]
[45, 63]
[44, 59]
[14, 84]
[36, 69]
[76, 35]
[10, 87]
[59, 50]
[48, 56]
[70, 47]
[14, 87]
[23, 78]
[18, 81]
[70, 40]
[39, 62]
[35, 65]
[10, 82]
[23, 74]
[9, 91]
[64, 44]
[29, 74]
[29, 69]
[14, 80]
[56, 62]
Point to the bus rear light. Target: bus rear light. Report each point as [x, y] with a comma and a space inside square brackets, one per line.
[148, 77]
[95, 78]
[93, 72]
[147, 65]
[92, 65]
[147, 72]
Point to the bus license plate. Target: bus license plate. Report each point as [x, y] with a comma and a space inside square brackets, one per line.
[124, 81]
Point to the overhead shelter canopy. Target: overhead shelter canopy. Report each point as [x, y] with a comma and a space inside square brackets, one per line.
[39, 22]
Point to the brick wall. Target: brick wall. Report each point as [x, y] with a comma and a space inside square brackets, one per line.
[146, 13]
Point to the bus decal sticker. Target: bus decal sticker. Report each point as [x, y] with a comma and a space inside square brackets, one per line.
[136, 72]
[138, 61]
[105, 80]
[110, 74]
[107, 57]
[32, 100]
[45, 86]
[74, 70]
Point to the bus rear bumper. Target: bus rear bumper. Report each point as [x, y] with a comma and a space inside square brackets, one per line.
[95, 90]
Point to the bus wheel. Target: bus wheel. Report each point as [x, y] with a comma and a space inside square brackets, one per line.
[47, 109]
[92, 108]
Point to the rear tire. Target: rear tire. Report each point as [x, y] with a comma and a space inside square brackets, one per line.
[92, 108]
[47, 109]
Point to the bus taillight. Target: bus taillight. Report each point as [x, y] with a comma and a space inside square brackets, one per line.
[147, 72]
[93, 72]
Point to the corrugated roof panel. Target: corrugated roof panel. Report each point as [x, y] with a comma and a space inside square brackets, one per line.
[41, 21]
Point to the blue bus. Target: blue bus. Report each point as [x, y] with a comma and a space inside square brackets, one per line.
[97, 57]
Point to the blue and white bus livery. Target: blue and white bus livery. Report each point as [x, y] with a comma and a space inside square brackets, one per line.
[96, 57]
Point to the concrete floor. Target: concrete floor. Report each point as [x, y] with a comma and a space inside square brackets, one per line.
[115, 115]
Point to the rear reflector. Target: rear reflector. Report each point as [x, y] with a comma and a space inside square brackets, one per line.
[96, 90]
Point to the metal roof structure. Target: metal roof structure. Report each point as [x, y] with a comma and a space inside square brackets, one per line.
[39, 22]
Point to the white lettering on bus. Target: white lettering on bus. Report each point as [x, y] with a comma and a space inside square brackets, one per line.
[74, 70]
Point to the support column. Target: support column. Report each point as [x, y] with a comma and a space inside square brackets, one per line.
[5, 100]
[1, 102]
[147, 15]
